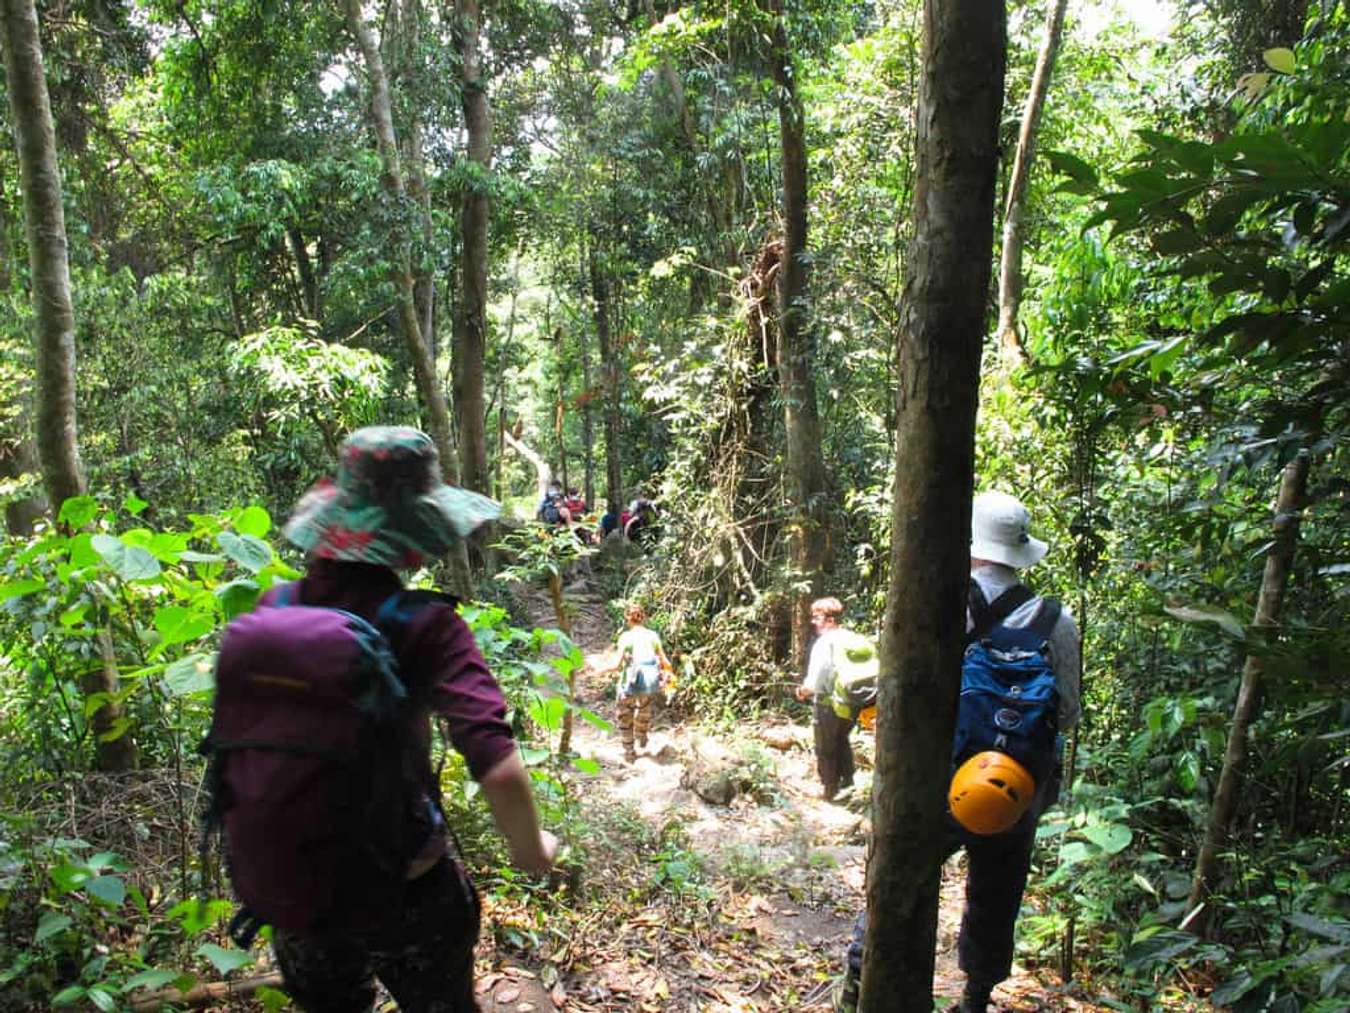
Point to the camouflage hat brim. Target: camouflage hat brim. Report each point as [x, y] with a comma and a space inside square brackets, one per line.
[332, 523]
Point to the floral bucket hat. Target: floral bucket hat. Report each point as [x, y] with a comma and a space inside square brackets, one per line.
[388, 504]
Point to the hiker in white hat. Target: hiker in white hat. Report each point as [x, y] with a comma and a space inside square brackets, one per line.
[997, 862]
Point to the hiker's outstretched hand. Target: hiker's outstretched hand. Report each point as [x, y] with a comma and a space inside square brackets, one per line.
[541, 862]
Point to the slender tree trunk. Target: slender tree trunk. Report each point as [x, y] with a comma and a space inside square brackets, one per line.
[1269, 604]
[587, 422]
[609, 372]
[809, 534]
[419, 352]
[309, 285]
[18, 457]
[1010, 278]
[947, 278]
[471, 318]
[54, 318]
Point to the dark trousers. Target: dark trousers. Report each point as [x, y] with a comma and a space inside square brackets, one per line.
[996, 877]
[834, 755]
[423, 953]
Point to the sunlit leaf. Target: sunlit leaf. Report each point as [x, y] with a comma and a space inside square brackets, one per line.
[1280, 59]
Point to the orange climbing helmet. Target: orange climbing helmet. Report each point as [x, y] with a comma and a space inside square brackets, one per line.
[990, 792]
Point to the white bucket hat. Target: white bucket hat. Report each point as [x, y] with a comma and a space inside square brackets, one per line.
[998, 531]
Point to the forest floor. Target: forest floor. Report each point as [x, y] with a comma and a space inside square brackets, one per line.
[696, 905]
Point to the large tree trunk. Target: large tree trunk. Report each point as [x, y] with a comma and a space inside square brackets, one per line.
[419, 351]
[947, 277]
[609, 372]
[809, 529]
[471, 318]
[18, 458]
[1279, 560]
[54, 317]
[1010, 279]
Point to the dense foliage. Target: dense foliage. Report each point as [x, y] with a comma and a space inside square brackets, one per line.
[1187, 319]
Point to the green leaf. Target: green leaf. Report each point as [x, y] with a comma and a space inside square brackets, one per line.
[78, 511]
[254, 521]
[127, 562]
[1176, 241]
[248, 551]
[532, 756]
[585, 764]
[70, 877]
[192, 674]
[1073, 852]
[224, 960]
[1112, 838]
[177, 625]
[156, 977]
[1280, 59]
[133, 504]
[1072, 166]
[68, 995]
[49, 925]
[19, 588]
[108, 889]
[192, 556]
[1159, 946]
[1338, 932]
[1226, 621]
[238, 596]
[102, 998]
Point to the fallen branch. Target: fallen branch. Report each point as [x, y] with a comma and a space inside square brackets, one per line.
[202, 994]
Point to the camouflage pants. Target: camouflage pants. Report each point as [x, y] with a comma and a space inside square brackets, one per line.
[423, 953]
[635, 719]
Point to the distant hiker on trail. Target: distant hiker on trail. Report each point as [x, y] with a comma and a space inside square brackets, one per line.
[639, 525]
[320, 745]
[610, 521]
[645, 670]
[834, 651]
[1019, 691]
[553, 507]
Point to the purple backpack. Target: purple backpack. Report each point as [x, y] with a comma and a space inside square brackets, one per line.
[310, 774]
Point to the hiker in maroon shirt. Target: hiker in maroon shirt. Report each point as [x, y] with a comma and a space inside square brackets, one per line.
[388, 509]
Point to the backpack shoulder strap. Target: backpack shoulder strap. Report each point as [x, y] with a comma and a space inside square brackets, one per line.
[287, 594]
[401, 607]
[993, 614]
[1045, 619]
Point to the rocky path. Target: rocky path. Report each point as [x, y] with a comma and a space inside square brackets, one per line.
[748, 883]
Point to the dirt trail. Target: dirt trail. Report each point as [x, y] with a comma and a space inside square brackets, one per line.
[783, 872]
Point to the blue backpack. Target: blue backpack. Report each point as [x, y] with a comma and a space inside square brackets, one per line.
[1009, 695]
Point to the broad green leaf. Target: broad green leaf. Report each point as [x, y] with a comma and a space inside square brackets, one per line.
[1072, 166]
[585, 764]
[532, 756]
[254, 521]
[128, 562]
[248, 551]
[102, 998]
[154, 978]
[78, 511]
[50, 924]
[109, 889]
[82, 552]
[19, 588]
[1159, 946]
[192, 556]
[177, 625]
[68, 995]
[273, 999]
[193, 674]
[70, 877]
[1338, 931]
[592, 718]
[238, 596]
[224, 960]
[1280, 59]
[1226, 621]
[1112, 838]
[1073, 852]
[133, 504]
